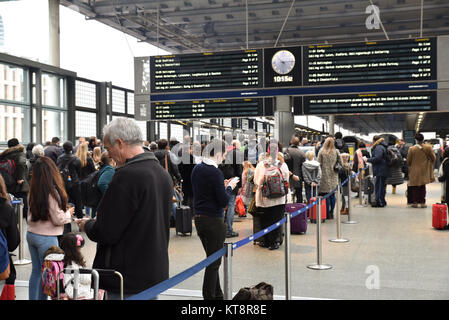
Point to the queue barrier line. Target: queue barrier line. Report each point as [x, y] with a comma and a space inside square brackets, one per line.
[157, 289]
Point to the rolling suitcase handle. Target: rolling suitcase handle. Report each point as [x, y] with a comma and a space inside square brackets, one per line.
[110, 272]
[76, 273]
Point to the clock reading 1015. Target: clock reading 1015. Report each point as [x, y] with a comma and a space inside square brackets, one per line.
[281, 69]
[283, 62]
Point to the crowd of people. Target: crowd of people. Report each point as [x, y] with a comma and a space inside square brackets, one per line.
[139, 183]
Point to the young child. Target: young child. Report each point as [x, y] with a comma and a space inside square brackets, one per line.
[72, 243]
[344, 172]
[311, 171]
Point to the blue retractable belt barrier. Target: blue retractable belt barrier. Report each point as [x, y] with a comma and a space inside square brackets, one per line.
[155, 290]
[152, 292]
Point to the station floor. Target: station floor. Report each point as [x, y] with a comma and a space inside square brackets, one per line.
[393, 253]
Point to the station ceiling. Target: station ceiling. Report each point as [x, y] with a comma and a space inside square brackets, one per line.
[184, 26]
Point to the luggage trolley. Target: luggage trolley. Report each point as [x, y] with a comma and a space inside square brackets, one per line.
[98, 293]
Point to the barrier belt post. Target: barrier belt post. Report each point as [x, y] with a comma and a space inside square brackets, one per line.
[22, 260]
[319, 265]
[349, 221]
[361, 184]
[339, 239]
[288, 268]
[227, 269]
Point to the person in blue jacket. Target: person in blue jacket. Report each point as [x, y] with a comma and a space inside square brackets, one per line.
[380, 169]
[211, 194]
[107, 171]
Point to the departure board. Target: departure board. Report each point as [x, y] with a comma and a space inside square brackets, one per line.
[210, 108]
[207, 71]
[371, 103]
[383, 61]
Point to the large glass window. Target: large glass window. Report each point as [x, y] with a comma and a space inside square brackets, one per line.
[85, 124]
[177, 131]
[85, 94]
[163, 130]
[130, 103]
[14, 123]
[118, 101]
[13, 84]
[54, 124]
[53, 91]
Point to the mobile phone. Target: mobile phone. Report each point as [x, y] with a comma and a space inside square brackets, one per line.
[236, 179]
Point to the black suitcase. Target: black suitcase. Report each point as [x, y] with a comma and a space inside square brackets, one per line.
[183, 222]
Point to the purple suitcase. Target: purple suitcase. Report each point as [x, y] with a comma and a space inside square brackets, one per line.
[298, 224]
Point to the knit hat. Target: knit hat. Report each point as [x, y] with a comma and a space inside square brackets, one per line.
[13, 142]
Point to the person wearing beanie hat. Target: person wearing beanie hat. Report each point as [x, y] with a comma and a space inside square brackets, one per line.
[19, 187]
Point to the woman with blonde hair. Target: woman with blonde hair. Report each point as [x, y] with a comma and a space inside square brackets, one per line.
[330, 161]
[96, 155]
[87, 163]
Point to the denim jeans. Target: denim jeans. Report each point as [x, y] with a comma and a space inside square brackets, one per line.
[229, 214]
[38, 244]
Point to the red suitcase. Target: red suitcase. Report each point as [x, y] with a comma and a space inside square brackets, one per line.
[439, 216]
[313, 211]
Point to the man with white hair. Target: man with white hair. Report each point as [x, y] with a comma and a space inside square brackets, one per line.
[132, 223]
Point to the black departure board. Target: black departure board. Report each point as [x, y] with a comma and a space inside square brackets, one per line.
[206, 71]
[371, 103]
[383, 61]
[208, 108]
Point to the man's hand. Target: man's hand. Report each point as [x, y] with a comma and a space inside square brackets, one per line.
[81, 223]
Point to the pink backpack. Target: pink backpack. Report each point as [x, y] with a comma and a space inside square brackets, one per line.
[49, 274]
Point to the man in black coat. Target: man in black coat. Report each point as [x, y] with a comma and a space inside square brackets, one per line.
[53, 151]
[132, 224]
[294, 158]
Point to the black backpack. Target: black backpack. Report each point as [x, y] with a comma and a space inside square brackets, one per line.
[393, 158]
[7, 171]
[66, 174]
[90, 194]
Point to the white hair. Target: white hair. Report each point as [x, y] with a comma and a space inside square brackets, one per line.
[125, 129]
[38, 150]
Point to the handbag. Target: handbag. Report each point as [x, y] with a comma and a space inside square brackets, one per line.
[252, 209]
[261, 291]
[240, 206]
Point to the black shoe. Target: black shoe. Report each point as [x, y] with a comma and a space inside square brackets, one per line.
[377, 206]
[231, 234]
[274, 247]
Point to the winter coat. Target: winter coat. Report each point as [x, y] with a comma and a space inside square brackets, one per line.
[233, 167]
[259, 179]
[329, 178]
[74, 166]
[311, 172]
[420, 160]
[172, 168]
[88, 168]
[17, 154]
[444, 179]
[106, 175]
[131, 228]
[294, 159]
[379, 159]
[53, 152]
[8, 225]
[397, 177]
